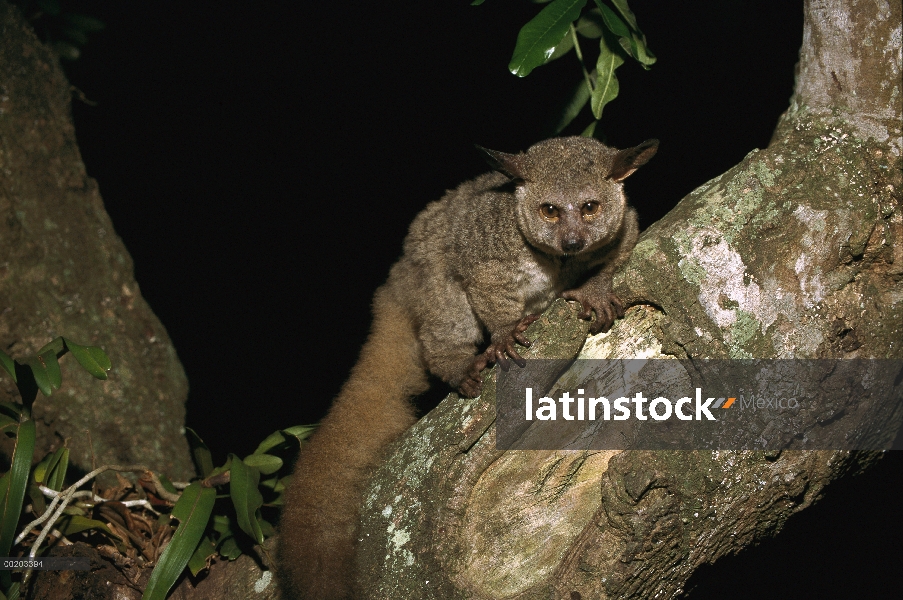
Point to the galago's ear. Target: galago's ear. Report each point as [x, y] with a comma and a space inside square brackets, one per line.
[511, 165]
[629, 160]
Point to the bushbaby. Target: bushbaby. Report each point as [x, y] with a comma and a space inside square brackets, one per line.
[477, 268]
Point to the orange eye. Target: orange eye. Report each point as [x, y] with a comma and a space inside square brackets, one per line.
[590, 209]
[549, 212]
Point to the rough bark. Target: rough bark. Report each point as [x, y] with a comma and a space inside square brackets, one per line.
[794, 253]
[64, 271]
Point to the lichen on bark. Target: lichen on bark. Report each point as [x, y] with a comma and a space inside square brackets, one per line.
[772, 258]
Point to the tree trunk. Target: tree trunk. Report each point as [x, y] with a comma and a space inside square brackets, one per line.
[794, 253]
[64, 271]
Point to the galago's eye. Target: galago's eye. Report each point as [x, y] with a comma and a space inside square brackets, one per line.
[590, 209]
[549, 212]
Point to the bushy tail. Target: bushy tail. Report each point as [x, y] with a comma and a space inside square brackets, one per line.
[322, 503]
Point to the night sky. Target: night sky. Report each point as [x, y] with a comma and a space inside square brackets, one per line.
[262, 162]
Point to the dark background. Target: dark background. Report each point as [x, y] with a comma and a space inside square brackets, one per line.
[263, 160]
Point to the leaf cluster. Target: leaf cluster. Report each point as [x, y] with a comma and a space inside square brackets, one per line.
[227, 522]
[40, 371]
[220, 513]
[557, 30]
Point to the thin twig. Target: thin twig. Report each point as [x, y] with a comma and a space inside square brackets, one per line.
[51, 493]
[98, 499]
[47, 512]
[162, 491]
[53, 511]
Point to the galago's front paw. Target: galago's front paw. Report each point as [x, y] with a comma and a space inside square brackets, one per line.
[499, 352]
[504, 347]
[607, 307]
[472, 385]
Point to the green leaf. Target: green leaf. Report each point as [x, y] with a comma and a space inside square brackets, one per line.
[563, 47]
[13, 484]
[246, 497]
[278, 488]
[613, 21]
[590, 130]
[53, 369]
[57, 476]
[198, 560]
[607, 87]
[220, 470]
[46, 370]
[92, 359]
[269, 482]
[634, 42]
[12, 593]
[229, 549]
[8, 364]
[167, 484]
[579, 98]
[284, 440]
[614, 24]
[57, 345]
[11, 409]
[644, 55]
[267, 464]
[75, 509]
[193, 511]
[267, 528]
[537, 39]
[40, 469]
[222, 525]
[302, 432]
[71, 524]
[271, 441]
[7, 423]
[203, 459]
[477, 2]
[625, 11]
[38, 502]
[590, 24]
[51, 471]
